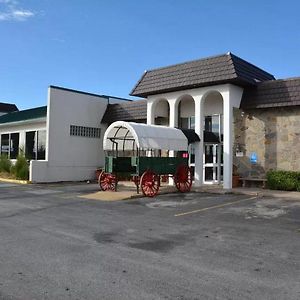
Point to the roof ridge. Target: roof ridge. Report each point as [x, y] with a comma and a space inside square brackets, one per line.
[22, 115]
[188, 62]
[266, 82]
[232, 63]
[87, 93]
[136, 85]
[20, 111]
[287, 79]
[252, 65]
[7, 103]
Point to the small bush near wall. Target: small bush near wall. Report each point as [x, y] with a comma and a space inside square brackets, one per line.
[21, 168]
[5, 164]
[283, 180]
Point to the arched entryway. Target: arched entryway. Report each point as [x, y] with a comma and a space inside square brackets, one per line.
[186, 112]
[186, 119]
[212, 108]
[161, 112]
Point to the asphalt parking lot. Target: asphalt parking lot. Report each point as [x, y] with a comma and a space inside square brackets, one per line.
[57, 245]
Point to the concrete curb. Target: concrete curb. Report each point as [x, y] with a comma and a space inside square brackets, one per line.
[249, 192]
[15, 181]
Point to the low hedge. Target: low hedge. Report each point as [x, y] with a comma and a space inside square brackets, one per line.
[21, 168]
[283, 180]
[5, 164]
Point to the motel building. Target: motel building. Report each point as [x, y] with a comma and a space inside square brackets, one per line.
[248, 122]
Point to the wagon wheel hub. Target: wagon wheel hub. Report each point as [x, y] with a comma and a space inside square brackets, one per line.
[183, 178]
[149, 183]
[107, 181]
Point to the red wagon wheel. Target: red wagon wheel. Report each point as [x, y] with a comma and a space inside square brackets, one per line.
[107, 181]
[183, 179]
[149, 183]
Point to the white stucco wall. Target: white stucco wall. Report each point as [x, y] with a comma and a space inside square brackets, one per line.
[187, 107]
[218, 99]
[71, 158]
[213, 104]
[162, 109]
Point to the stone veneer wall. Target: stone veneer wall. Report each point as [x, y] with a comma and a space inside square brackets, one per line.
[273, 133]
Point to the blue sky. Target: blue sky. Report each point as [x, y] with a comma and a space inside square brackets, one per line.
[104, 47]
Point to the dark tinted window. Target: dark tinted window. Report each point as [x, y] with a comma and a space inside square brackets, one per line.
[5, 144]
[30, 145]
[14, 145]
[41, 147]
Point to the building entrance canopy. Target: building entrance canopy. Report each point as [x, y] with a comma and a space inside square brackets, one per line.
[129, 135]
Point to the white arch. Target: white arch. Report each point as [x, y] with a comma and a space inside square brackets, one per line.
[216, 108]
[152, 107]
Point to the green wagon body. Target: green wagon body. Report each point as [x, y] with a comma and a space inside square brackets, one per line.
[136, 166]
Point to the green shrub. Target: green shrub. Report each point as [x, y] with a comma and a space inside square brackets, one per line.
[5, 164]
[283, 180]
[21, 168]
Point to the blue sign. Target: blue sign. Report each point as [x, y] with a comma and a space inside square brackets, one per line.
[253, 158]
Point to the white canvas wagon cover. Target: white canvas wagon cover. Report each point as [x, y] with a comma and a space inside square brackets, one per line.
[129, 135]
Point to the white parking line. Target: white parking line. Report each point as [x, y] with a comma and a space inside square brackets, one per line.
[213, 207]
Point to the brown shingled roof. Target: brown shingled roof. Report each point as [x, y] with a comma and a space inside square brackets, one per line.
[274, 93]
[127, 111]
[7, 107]
[282, 92]
[226, 68]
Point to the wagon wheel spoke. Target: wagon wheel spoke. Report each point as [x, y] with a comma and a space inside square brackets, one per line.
[107, 181]
[149, 183]
[183, 178]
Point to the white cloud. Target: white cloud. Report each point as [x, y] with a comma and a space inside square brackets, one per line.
[11, 12]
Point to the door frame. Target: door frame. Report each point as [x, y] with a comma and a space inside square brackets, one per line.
[216, 164]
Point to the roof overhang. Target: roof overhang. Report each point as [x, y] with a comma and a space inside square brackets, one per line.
[24, 122]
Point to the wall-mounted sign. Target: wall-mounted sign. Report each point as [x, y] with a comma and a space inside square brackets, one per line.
[239, 154]
[253, 158]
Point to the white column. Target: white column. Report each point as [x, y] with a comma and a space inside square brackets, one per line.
[150, 112]
[199, 146]
[227, 140]
[173, 118]
[173, 122]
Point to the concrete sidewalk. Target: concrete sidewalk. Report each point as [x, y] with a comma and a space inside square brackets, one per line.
[248, 191]
[127, 190]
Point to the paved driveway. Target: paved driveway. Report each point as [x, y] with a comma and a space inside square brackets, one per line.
[56, 245]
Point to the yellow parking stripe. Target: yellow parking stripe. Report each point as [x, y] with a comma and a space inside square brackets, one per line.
[213, 207]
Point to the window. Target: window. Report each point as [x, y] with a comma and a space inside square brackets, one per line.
[213, 124]
[5, 144]
[187, 123]
[14, 145]
[30, 145]
[35, 144]
[10, 145]
[91, 132]
[41, 144]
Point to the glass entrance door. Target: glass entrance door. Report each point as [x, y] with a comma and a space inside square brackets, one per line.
[213, 163]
